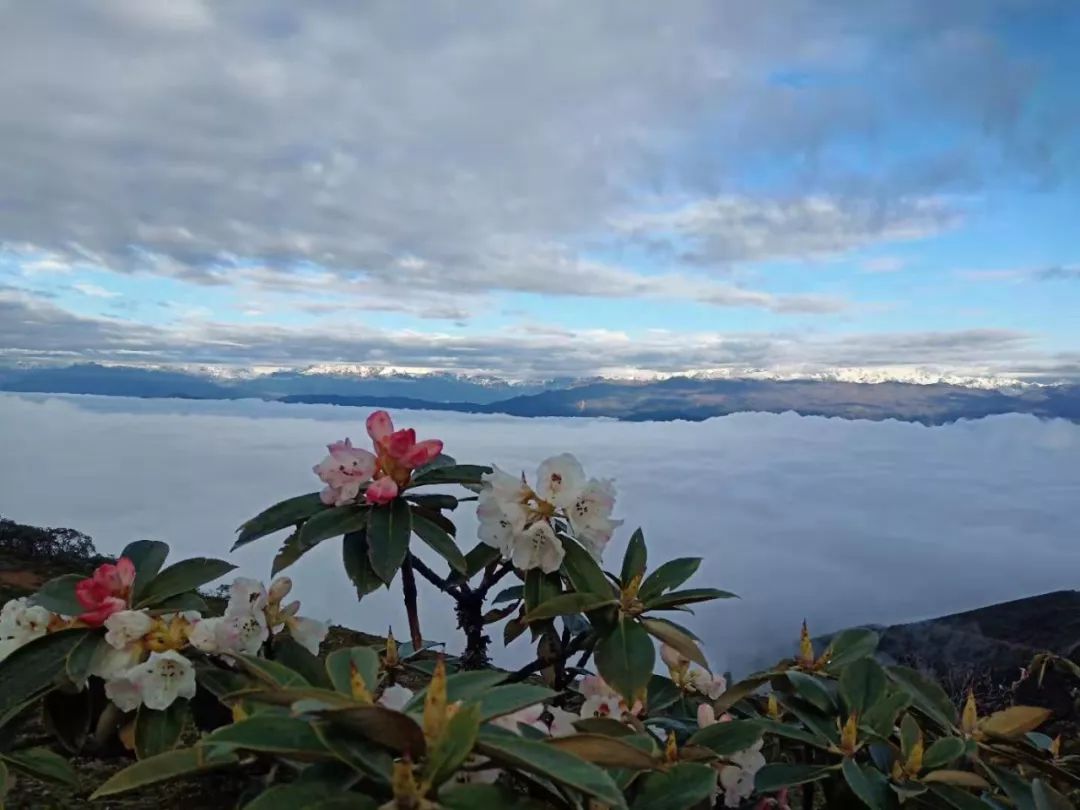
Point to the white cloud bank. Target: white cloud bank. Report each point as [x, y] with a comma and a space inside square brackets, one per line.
[835, 521]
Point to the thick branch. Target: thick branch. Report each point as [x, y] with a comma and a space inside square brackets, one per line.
[576, 645]
[408, 589]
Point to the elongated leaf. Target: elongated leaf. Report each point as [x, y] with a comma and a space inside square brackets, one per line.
[290, 552]
[910, 735]
[851, 645]
[461, 686]
[1046, 798]
[453, 746]
[791, 732]
[41, 763]
[551, 763]
[674, 636]
[540, 587]
[738, 691]
[568, 604]
[186, 575]
[299, 795]
[280, 516]
[480, 557]
[5, 782]
[943, 751]
[291, 737]
[453, 474]
[147, 556]
[68, 716]
[340, 663]
[868, 784]
[862, 684]
[685, 785]
[359, 754]
[294, 655]
[58, 595]
[728, 738]
[778, 775]
[390, 729]
[164, 767]
[635, 559]
[487, 797]
[435, 501]
[388, 533]
[625, 659]
[690, 596]
[926, 695]
[439, 540]
[500, 700]
[1014, 721]
[606, 751]
[512, 594]
[159, 731]
[180, 603]
[961, 799]
[811, 689]
[584, 572]
[1017, 789]
[332, 522]
[662, 692]
[81, 658]
[965, 779]
[34, 668]
[881, 718]
[354, 552]
[271, 672]
[670, 575]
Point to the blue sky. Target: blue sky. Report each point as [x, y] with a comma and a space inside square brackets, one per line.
[544, 189]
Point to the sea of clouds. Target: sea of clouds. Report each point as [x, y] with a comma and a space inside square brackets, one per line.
[839, 522]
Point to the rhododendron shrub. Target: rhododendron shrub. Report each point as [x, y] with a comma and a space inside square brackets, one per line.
[588, 722]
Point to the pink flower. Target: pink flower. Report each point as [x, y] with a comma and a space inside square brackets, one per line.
[344, 471]
[382, 491]
[106, 592]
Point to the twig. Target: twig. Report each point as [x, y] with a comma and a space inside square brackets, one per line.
[439, 582]
[408, 590]
[576, 645]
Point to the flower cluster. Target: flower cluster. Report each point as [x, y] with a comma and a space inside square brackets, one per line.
[523, 522]
[107, 592]
[735, 777]
[21, 623]
[397, 453]
[690, 677]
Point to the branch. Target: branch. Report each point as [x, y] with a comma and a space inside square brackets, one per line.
[577, 644]
[439, 582]
[408, 589]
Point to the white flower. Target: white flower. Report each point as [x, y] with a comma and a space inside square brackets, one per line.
[109, 662]
[537, 547]
[600, 699]
[156, 683]
[237, 634]
[501, 510]
[711, 686]
[590, 515]
[562, 722]
[529, 716]
[737, 779]
[559, 480]
[126, 627]
[246, 596]
[675, 660]
[21, 623]
[308, 633]
[395, 697]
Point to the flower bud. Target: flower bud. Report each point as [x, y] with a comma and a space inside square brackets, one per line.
[279, 589]
[969, 719]
[849, 735]
[291, 609]
[435, 704]
[806, 648]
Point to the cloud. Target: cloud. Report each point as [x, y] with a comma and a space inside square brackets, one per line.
[1058, 273]
[37, 329]
[94, 290]
[454, 153]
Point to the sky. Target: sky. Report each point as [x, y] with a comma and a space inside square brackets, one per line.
[543, 188]
[836, 521]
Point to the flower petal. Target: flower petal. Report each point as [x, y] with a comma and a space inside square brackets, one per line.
[381, 491]
[379, 426]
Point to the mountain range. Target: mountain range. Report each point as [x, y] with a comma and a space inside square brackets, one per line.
[681, 397]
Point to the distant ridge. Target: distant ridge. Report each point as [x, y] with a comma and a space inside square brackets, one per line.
[691, 398]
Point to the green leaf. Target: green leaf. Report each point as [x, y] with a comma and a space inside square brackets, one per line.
[480, 557]
[810, 688]
[445, 756]
[363, 756]
[728, 738]
[683, 786]
[961, 799]
[662, 692]
[271, 672]
[674, 636]
[690, 596]
[500, 700]
[607, 751]
[186, 575]
[851, 645]
[81, 658]
[487, 797]
[147, 556]
[5, 783]
[298, 658]
[549, 762]
[67, 717]
[383, 726]
[942, 752]
[568, 604]
[332, 522]
[159, 731]
[770, 726]
[179, 603]
[540, 587]
[862, 684]
[439, 540]
[1016, 788]
[33, 668]
[584, 572]
[170, 765]
[388, 533]
[461, 686]
[881, 718]
[279, 516]
[778, 775]
[910, 734]
[868, 784]
[453, 474]
[339, 666]
[294, 796]
[354, 552]
[290, 552]
[625, 659]
[635, 559]
[272, 733]
[512, 594]
[670, 575]
[58, 595]
[1046, 798]
[435, 501]
[927, 696]
[42, 764]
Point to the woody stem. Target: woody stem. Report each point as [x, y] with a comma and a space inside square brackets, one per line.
[408, 590]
